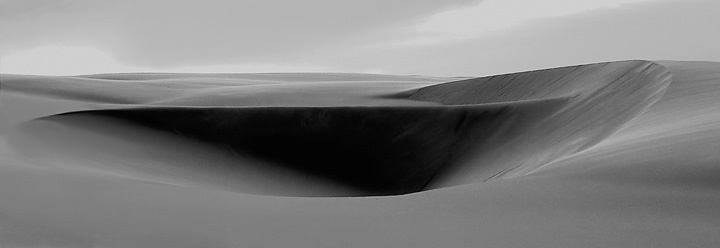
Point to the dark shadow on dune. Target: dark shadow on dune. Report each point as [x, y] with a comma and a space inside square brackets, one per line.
[378, 150]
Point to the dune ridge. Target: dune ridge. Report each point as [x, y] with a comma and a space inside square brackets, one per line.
[477, 129]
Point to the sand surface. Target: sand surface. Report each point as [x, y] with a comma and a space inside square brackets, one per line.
[620, 154]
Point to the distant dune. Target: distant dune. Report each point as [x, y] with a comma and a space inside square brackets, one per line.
[617, 154]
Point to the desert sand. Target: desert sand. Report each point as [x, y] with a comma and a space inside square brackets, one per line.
[615, 154]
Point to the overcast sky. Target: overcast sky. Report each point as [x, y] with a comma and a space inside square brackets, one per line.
[441, 38]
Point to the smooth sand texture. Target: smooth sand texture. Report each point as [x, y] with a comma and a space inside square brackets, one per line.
[165, 169]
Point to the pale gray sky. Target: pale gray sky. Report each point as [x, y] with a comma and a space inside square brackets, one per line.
[443, 38]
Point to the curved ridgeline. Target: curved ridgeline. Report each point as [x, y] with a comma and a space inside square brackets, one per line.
[486, 128]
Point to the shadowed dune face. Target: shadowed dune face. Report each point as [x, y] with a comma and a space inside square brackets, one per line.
[378, 150]
[485, 128]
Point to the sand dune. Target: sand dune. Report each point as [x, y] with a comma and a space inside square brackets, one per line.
[610, 155]
[472, 136]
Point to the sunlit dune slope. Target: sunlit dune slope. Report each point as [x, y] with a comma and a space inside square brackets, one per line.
[674, 144]
[603, 97]
[484, 128]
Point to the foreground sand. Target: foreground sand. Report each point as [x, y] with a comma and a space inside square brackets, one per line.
[618, 154]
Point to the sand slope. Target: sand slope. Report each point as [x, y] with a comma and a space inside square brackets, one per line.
[653, 183]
